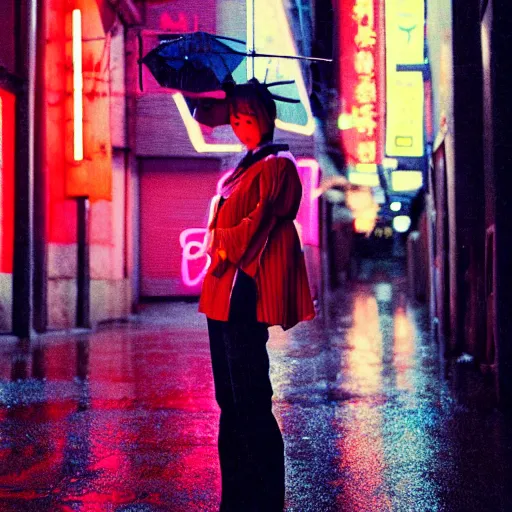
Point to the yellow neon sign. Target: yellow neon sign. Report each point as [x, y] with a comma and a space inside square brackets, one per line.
[404, 89]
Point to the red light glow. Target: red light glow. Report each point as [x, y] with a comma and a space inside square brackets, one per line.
[7, 118]
[360, 76]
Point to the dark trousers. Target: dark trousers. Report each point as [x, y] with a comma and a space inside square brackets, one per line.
[251, 449]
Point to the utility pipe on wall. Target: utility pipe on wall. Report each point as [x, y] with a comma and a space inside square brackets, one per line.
[26, 40]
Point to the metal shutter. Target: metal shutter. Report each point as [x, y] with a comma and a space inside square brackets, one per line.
[174, 197]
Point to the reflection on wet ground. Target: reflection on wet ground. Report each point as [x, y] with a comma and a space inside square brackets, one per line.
[125, 419]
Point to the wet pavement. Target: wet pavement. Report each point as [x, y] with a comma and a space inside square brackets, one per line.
[124, 419]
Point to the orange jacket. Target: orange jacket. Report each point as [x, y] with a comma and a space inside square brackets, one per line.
[254, 229]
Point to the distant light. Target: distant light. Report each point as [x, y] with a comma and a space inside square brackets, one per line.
[406, 181]
[364, 178]
[366, 168]
[345, 122]
[379, 195]
[364, 225]
[395, 206]
[390, 163]
[401, 223]
[78, 127]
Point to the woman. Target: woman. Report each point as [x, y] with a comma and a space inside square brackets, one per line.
[257, 278]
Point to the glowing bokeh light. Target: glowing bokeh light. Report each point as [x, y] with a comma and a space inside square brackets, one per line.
[362, 167]
[188, 247]
[404, 181]
[345, 121]
[363, 178]
[401, 223]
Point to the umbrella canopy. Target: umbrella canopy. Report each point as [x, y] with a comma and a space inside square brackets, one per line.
[194, 63]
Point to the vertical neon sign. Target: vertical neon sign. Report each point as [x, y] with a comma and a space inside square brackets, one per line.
[1, 141]
[364, 111]
[78, 136]
[405, 44]
[1, 177]
[360, 68]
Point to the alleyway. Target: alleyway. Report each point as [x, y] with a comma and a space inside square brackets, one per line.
[125, 419]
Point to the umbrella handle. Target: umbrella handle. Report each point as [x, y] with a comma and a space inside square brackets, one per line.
[141, 85]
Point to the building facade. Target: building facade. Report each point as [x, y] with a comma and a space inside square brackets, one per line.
[65, 164]
[106, 176]
[181, 163]
[469, 186]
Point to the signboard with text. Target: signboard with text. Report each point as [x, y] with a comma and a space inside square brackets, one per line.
[405, 36]
[361, 68]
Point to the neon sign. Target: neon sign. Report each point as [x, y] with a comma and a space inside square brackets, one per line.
[78, 86]
[307, 216]
[190, 246]
[7, 143]
[192, 240]
[1, 177]
[1, 142]
[404, 89]
[360, 78]
[364, 112]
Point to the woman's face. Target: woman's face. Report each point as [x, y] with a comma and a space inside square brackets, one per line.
[246, 128]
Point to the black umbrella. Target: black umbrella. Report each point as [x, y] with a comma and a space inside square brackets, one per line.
[194, 63]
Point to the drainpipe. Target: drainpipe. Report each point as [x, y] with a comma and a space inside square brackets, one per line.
[26, 23]
[40, 181]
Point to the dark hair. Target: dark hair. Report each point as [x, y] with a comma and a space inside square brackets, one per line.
[254, 99]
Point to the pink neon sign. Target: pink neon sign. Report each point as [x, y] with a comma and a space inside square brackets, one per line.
[194, 269]
[307, 216]
[191, 241]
